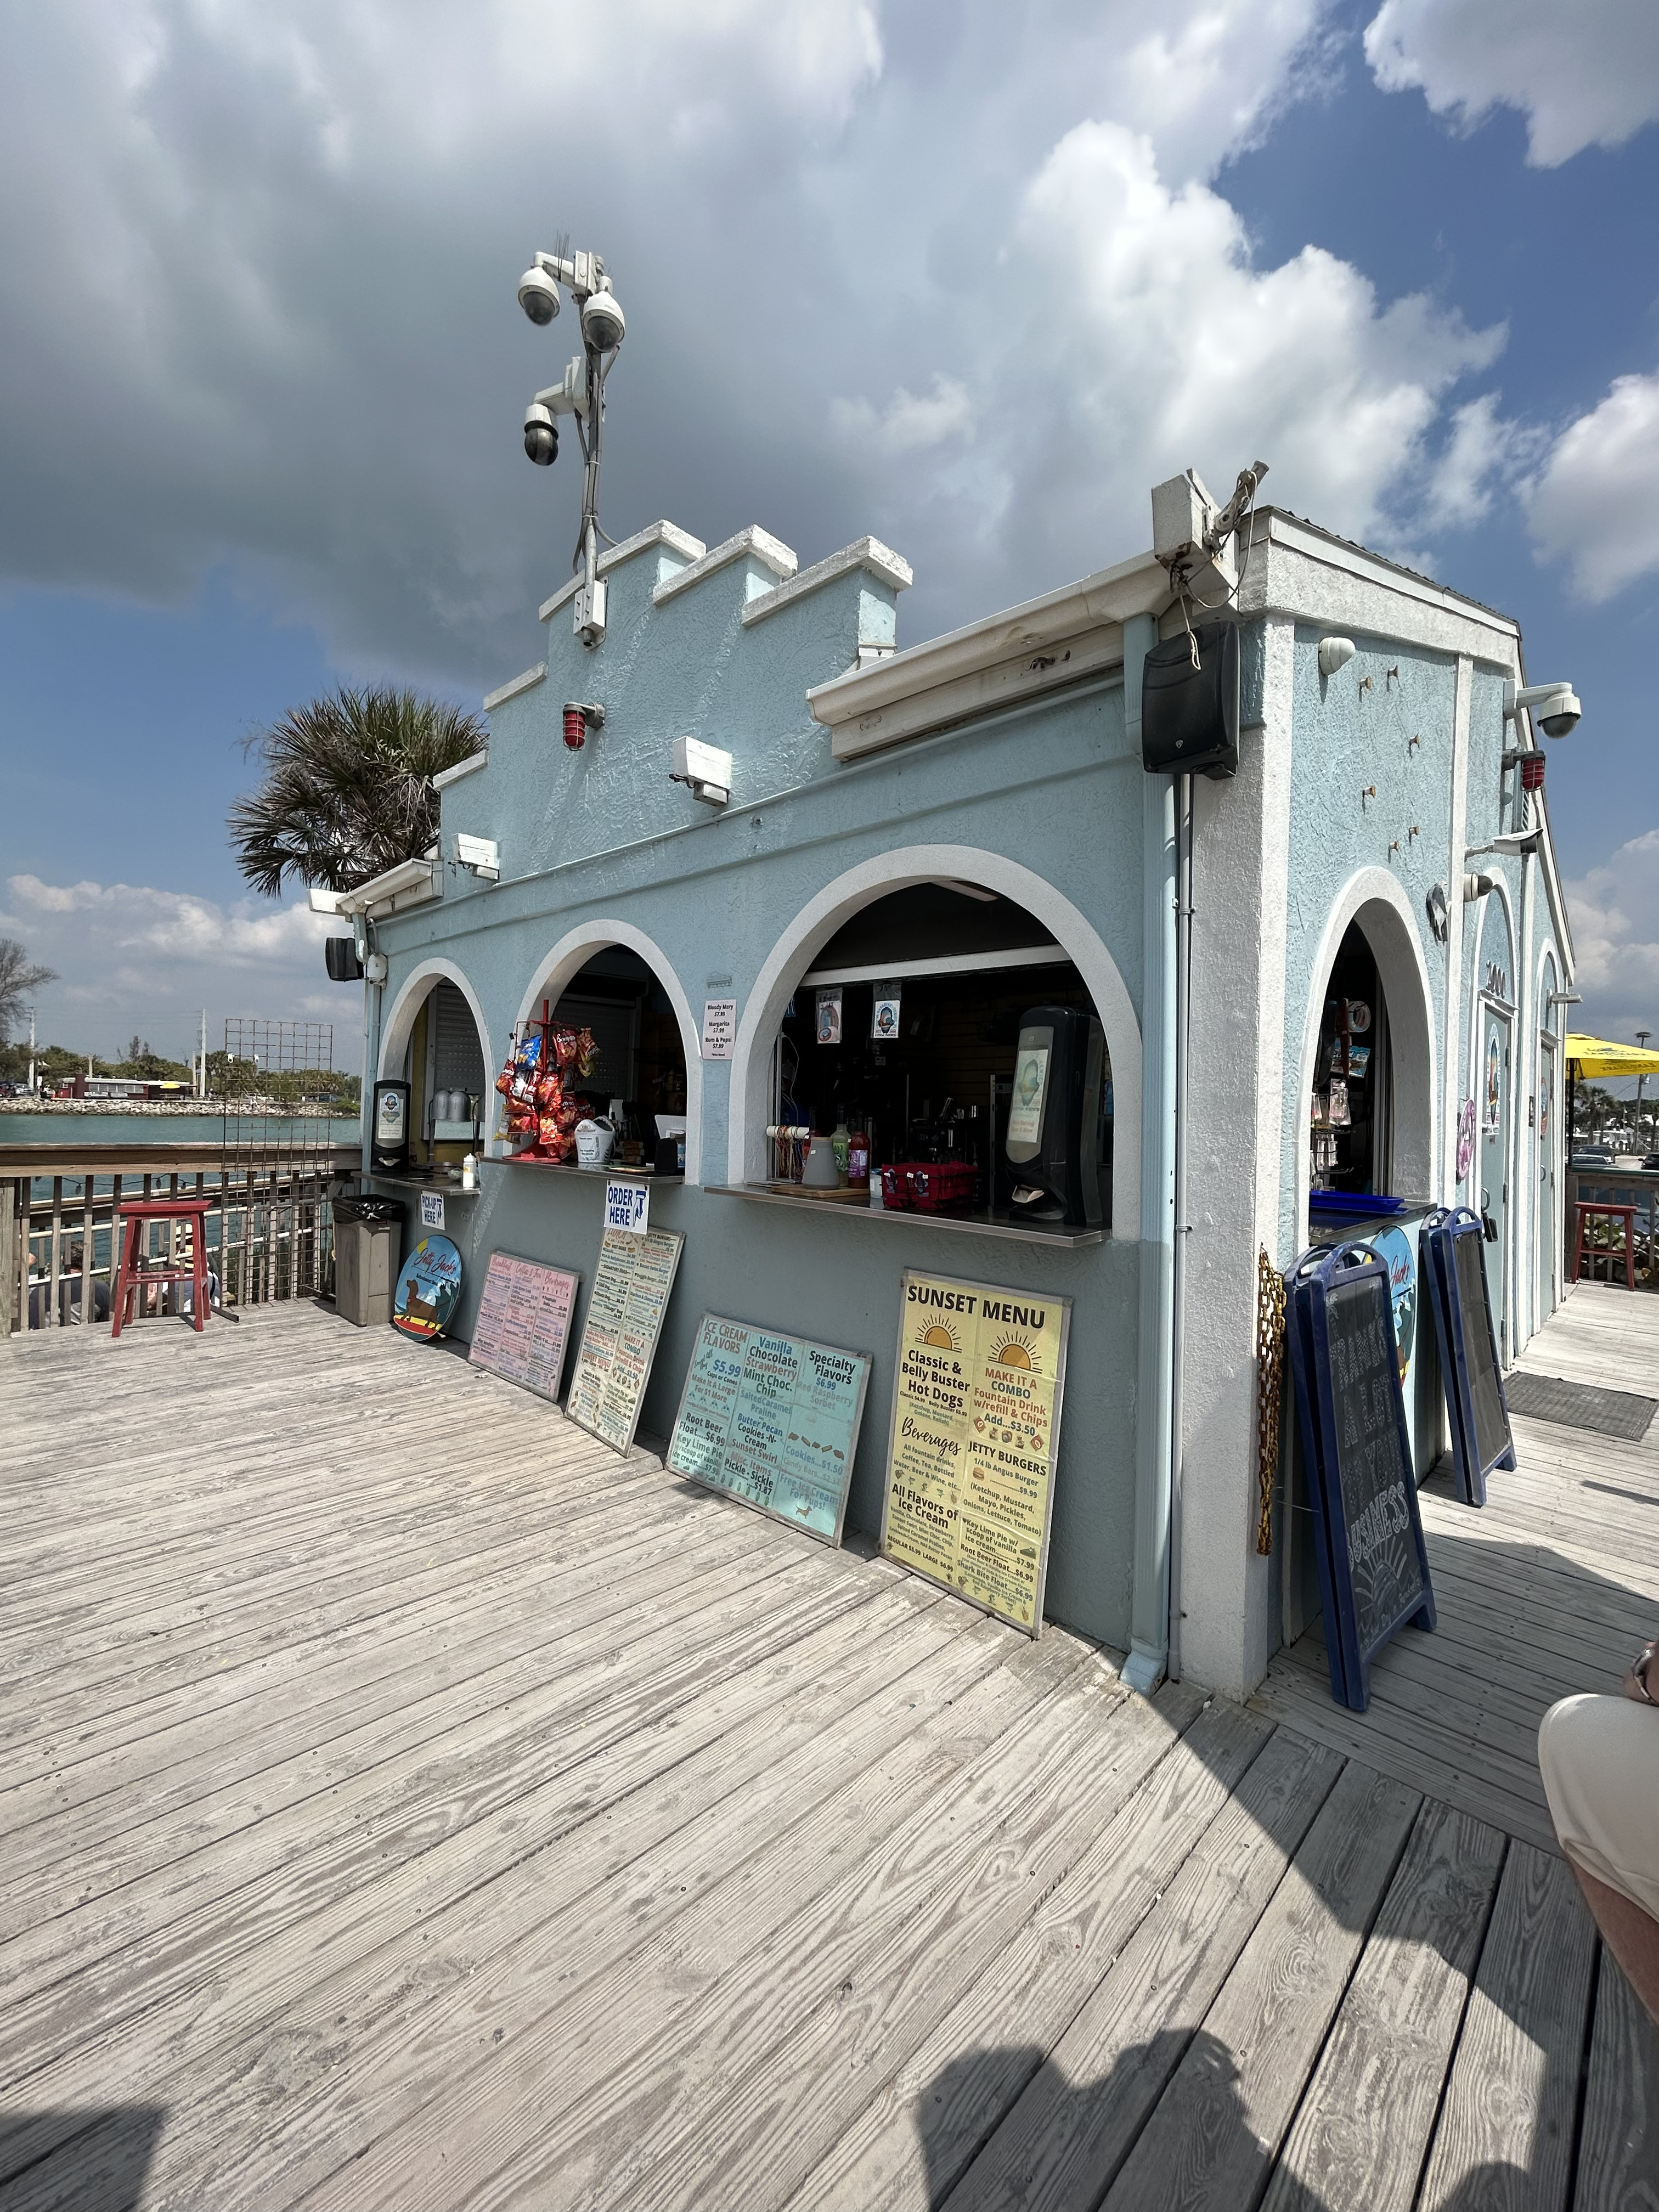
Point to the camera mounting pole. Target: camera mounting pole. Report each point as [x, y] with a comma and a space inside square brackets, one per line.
[581, 394]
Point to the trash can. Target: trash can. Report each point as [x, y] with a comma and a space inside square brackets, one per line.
[368, 1236]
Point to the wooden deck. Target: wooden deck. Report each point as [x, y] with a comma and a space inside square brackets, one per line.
[406, 1804]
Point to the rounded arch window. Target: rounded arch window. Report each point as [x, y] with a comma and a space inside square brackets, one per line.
[1350, 1113]
[942, 1035]
[443, 1064]
[627, 1071]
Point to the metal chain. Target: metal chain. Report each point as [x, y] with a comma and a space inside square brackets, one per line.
[1270, 1377]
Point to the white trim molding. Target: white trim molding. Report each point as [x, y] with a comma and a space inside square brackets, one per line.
[412, 994]
[572, 954]
[818, 921]
[668, 535]
[753, 543]
[1375, 898]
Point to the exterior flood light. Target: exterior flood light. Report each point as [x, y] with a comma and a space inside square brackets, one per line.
[481, 856]
[705, 768]
[1554, 707]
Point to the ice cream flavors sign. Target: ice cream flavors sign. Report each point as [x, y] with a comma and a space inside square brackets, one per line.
[977, 1402]
[773, 1419]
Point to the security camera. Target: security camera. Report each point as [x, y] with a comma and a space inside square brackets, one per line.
[539, 295]
[541, 435]
[1554, 707]
[603, 324]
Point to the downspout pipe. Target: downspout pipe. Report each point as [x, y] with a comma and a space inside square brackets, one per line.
[1149, 1646]
[1182, 1226]
[366, 945]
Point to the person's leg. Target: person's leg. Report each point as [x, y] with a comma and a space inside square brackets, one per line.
[1599, 1758]
[1629, 1934]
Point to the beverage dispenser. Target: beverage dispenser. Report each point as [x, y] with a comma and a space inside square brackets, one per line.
[1053, 1141]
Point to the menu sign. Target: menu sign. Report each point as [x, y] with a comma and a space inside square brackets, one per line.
[773, 1419]
[523, 1328]
[625, 1312]
[971, 1461]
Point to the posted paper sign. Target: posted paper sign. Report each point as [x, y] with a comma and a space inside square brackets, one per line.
[719, 1028]
[773, 1419]
[628, 1206]
[976, 1431]
[432, 1209]
[625, 1312]
[523, 1328]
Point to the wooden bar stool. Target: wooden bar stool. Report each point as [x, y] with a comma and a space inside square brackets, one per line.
[135, 1272]
[1586, 1209]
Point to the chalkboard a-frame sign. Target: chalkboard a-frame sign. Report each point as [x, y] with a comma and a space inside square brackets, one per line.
[1362, 1486]
[1479, 1415]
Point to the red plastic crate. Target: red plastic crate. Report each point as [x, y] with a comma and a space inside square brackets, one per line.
[928, 1186]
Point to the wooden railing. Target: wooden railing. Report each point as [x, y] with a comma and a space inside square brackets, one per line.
[269, 1226]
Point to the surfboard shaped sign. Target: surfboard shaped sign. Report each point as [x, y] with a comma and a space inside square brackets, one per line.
[1456, 1264]
[1361, 1486]
[428, 1289]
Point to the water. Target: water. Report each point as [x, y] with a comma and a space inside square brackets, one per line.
[92, 1130]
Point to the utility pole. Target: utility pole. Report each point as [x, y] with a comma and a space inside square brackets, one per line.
[31, 1052]
[1642, 1036]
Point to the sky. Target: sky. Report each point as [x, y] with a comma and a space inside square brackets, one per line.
[970, 277]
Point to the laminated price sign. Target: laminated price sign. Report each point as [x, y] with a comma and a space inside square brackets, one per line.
[976, 1431]
[628, 1206]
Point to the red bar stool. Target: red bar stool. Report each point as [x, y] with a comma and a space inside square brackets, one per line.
[1586, 1210]
[135, 1272]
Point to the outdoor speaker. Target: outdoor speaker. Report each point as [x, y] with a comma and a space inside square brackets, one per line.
[343, 966]
[1190, 716]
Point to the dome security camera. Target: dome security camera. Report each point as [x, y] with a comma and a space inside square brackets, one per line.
[539, 295]
[603, 323]
[1554, 707]
[541, 435]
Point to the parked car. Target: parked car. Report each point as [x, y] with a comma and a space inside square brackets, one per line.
[1651, 1163]
[1592, 1156]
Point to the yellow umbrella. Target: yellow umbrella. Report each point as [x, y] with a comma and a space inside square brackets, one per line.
[1589, 1058]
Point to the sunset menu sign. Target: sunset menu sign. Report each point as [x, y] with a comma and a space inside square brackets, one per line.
[971, 1461]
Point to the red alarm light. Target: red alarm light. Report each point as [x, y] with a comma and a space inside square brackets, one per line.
[1532, 771]
[576, 728]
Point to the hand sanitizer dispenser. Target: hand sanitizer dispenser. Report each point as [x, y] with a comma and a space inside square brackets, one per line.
[1053, 1119]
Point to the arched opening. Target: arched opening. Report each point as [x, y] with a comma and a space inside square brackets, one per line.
[938, 1026]
[1492, 1087]
[435, 1040]
[1368, 1078]
[645, 1074]
[754, 1058]
[1547, 1120]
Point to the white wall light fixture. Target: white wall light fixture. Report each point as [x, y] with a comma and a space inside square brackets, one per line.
[1335, 652]
[705, 768]
[480, 856]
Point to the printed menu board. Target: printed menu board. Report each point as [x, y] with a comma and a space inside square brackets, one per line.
[523, 1328]
[619, 1337]
[773, 1419]
[971, 1461]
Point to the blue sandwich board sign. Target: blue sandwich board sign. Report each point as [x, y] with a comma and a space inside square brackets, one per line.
[1362, 1486]
[1457, 1269]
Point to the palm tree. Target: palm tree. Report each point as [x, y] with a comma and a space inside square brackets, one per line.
[348, 787]
[20, 979]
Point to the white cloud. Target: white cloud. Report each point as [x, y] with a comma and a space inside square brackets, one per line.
[1614, 912]
[1583, 74]
[911, 422]
[1483, 455]
[1150, 339]
[131, 957]
[1595, 501]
